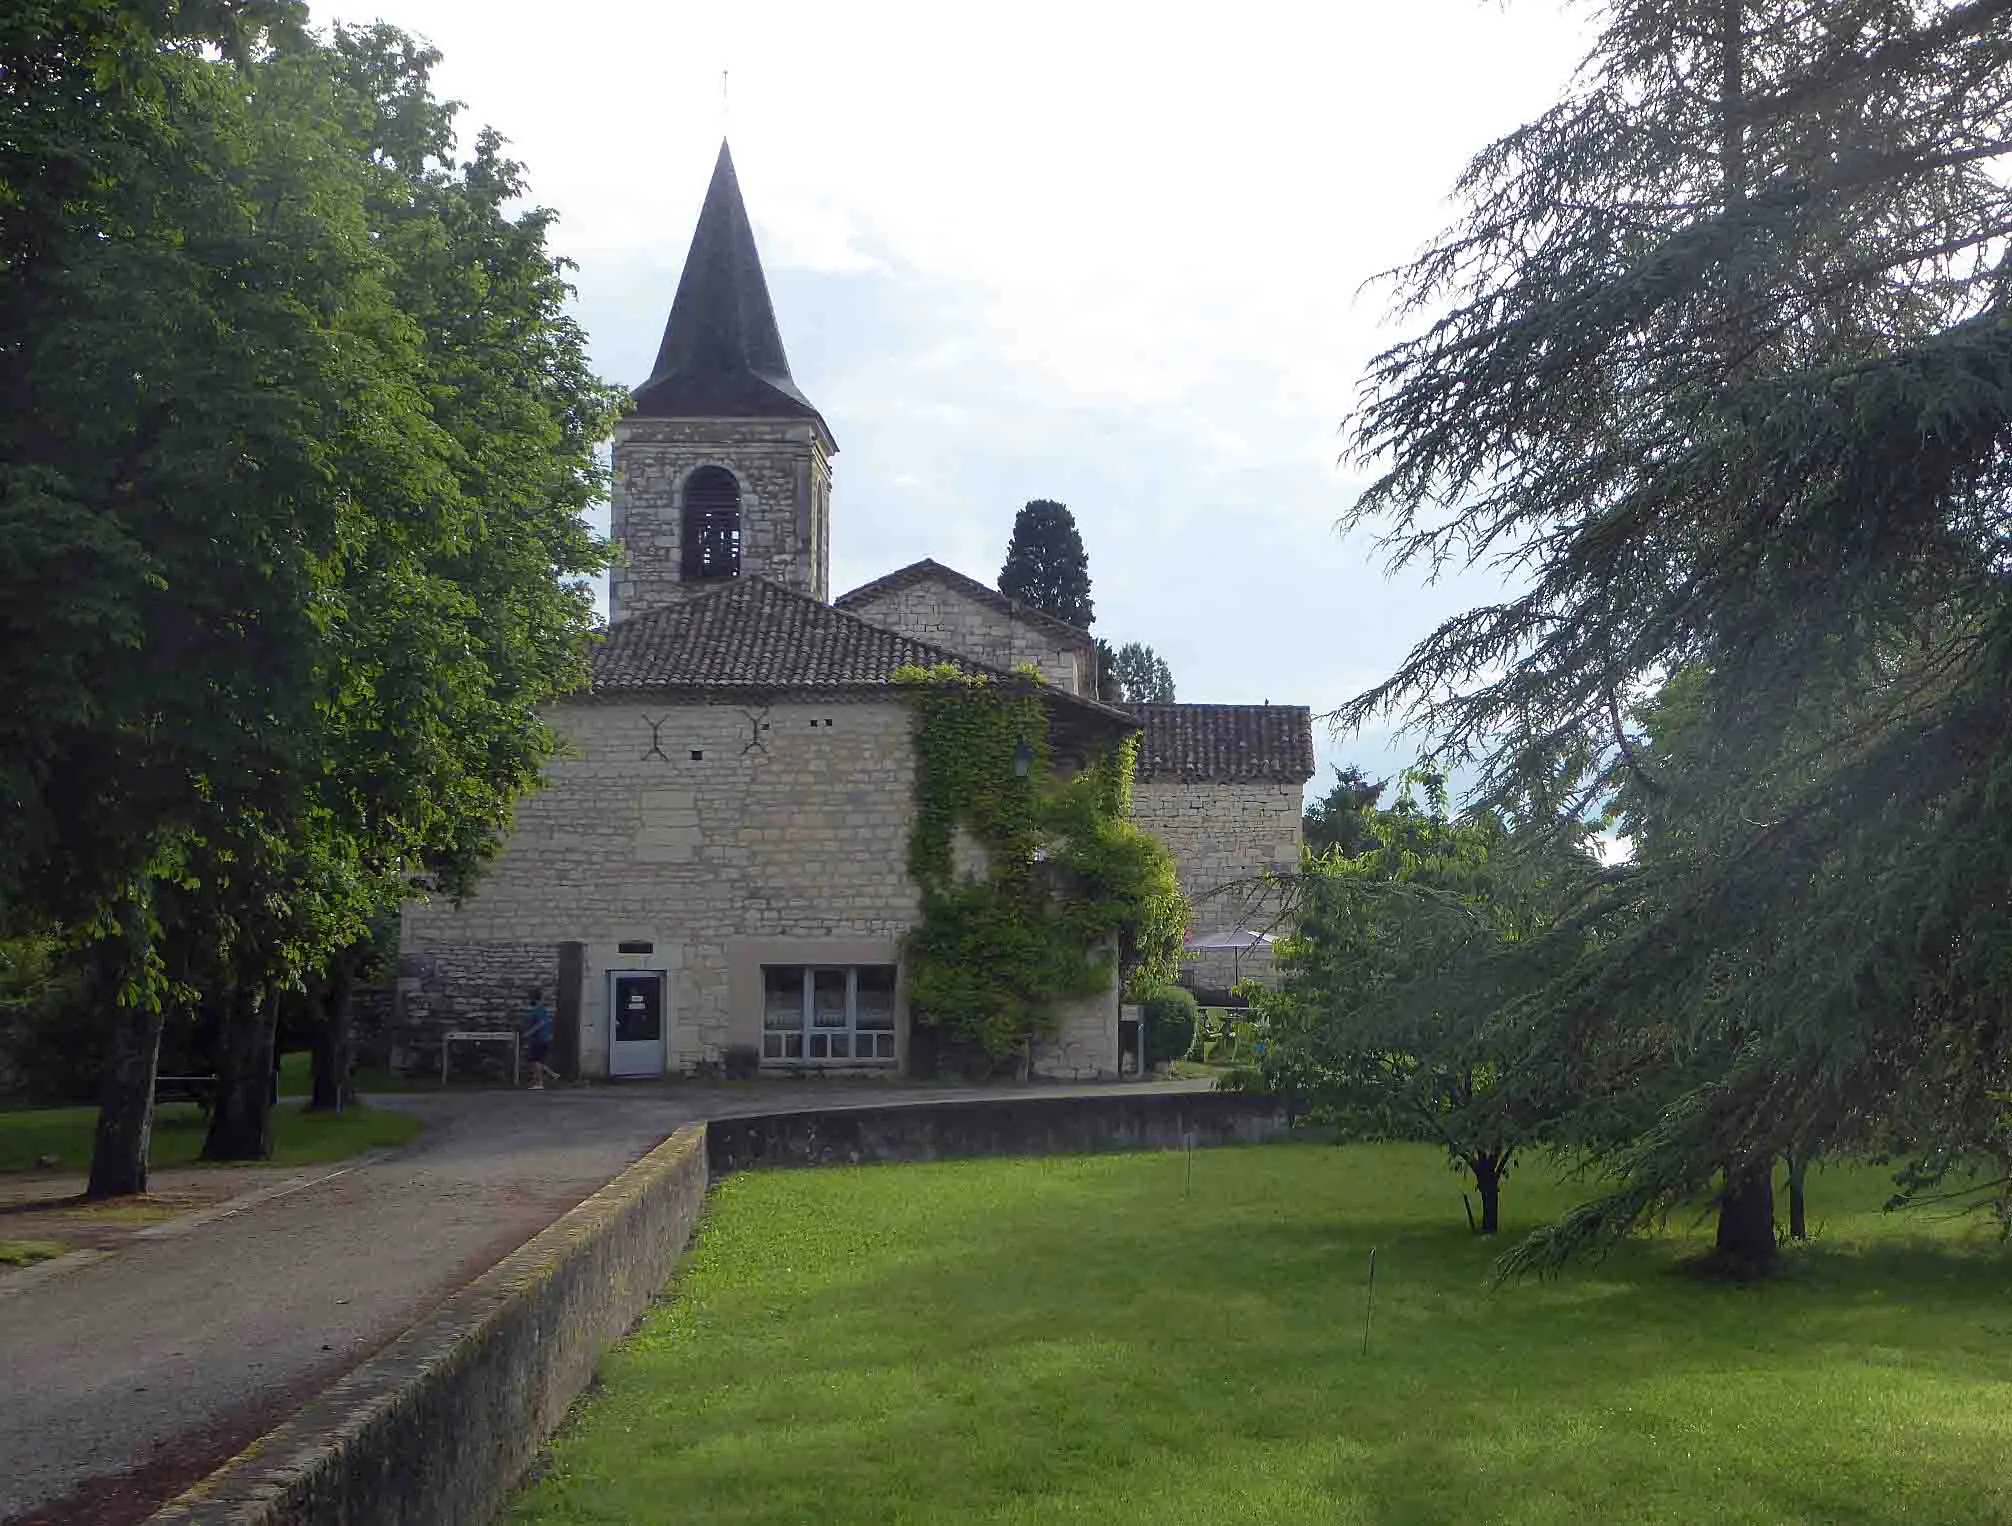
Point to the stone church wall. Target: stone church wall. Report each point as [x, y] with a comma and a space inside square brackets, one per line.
[781, 845]
[785, 484]
[718, 844]
[1225, 835]
[931, 611]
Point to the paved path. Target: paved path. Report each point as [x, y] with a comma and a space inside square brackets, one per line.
[123, 1380]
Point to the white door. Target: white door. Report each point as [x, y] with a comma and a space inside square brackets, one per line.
[637, 1023]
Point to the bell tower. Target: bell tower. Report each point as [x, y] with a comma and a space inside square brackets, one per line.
[722, 468]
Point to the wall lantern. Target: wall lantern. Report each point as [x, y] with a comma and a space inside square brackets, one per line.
[1023, 759]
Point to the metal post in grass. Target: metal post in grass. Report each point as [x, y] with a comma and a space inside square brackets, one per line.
[1188, 1149]
[1369, 1307]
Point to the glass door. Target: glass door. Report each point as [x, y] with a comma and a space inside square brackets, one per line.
[636, 1023]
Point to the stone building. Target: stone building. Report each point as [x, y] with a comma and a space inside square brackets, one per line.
[1222, 786]
[717, 864]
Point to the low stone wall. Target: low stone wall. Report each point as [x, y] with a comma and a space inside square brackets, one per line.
[441, 1424]
[1071, 1125]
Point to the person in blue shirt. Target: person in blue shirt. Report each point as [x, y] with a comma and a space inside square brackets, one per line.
[538, 1036]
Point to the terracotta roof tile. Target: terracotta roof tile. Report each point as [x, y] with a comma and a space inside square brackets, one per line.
[752, 633]
[1225, 742]
[753, 636]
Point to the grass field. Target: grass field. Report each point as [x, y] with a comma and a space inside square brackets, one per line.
[299, 1138]
[296, 1077]
[1078, 1339]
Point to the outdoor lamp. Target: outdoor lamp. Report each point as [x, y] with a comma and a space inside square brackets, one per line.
[1023, 759]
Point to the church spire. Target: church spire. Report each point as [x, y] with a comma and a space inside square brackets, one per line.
[722, 355]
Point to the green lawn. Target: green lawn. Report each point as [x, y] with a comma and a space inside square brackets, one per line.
[296, 1077]
[28, 1252]
[299, 1138]
[1075, 1339]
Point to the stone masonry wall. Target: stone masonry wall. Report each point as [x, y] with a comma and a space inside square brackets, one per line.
[783, 841]
[789, 822]
[937, 613]
[1224, 835]
[785, 484]
[1084, 1046]
[479, 986]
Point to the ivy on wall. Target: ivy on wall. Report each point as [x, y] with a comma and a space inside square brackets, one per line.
[1061, 885]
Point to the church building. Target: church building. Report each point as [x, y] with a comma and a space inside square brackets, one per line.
[717, 864]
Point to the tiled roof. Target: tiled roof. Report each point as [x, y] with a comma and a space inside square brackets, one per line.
[1226, 742]
[752, 633]
[753, 636]
[929, 570]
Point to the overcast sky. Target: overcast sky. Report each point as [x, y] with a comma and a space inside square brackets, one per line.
[1095, 252]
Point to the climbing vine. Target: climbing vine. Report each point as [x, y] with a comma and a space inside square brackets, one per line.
[1031, 885]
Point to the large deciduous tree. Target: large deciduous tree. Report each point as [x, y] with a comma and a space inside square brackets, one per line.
[1046, 567]
[1721, 363]
[294, 438]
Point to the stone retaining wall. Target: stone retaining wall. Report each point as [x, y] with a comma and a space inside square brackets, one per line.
[1075, 1125]
[439, 1426]
[482, 986]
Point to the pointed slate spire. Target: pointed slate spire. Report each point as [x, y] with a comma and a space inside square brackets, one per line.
[722, 355]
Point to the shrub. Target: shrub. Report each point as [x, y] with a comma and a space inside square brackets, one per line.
[1171, 1015]
[52, 1042]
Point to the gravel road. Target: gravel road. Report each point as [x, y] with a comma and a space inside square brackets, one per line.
[123, 1380]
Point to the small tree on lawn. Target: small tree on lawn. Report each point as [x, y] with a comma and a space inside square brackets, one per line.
[1383, 1020]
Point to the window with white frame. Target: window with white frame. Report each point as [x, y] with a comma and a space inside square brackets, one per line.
[822, 1014]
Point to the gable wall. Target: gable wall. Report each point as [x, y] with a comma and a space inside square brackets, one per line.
[791, 852]
[931, 611]
[1224, 835]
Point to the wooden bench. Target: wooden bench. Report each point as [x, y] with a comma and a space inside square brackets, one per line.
[201, 1090]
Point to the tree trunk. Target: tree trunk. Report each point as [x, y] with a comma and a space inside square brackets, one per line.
[126, 1100]
[334, 1044]
[1798, 1212]
[241, 1125]
[1487, 1171]
[1745, 1246]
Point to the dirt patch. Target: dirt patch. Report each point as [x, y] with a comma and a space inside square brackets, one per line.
[54, 1208]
